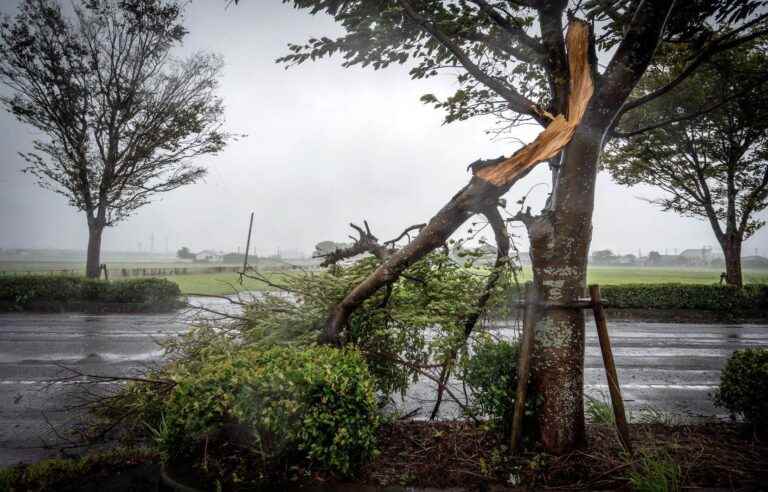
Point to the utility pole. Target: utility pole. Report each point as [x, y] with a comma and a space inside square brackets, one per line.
[247, 249]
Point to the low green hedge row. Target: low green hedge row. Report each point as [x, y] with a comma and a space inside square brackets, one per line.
[724, 299]
[23, 291]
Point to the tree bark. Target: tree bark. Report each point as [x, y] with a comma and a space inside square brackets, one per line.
[731, 245]
[93, 259]
[559, 247]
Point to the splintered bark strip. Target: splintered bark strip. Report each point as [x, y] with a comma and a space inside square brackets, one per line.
[560, 131]
[485, 188]
[610, 368]
[524, 365]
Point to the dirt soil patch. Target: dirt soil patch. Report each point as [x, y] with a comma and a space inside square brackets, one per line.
[462, 454]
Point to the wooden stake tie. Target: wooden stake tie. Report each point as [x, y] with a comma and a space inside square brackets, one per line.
[524, 365]
[610, 368]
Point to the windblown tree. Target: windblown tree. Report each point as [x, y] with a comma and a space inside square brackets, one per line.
[120, 119]
[515, 63]
[713, 166]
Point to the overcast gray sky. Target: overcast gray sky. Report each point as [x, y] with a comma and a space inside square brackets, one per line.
[325, 146]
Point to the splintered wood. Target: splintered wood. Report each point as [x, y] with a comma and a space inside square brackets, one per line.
[560, 131]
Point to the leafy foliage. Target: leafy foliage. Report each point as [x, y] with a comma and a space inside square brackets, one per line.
[60, 474]
[744, 385]
[23, 291]
[490, 372]
[420, 318]
[318, 400]
[715, 161]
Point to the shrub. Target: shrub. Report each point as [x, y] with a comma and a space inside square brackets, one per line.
[65, 474]
[318, 402]
[743, 386]
[725, 299]
[491, 374]
[27, 290]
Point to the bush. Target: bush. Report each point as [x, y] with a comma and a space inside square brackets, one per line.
[28, 290]
[317, 403]
[725, 299]
[491, 374]
[743, 386]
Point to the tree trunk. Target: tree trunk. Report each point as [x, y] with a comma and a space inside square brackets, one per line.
[93, 260]
[559, 247]
[732, 250]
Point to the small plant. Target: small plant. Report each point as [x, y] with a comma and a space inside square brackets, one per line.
[655, 415]
[743, 386]
[599, 410]
[655, 472]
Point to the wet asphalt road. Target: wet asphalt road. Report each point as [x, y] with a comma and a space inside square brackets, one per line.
[671, 367]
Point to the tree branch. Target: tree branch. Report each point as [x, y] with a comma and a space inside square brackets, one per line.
[517, 102]
[711, 107]
[717, 46]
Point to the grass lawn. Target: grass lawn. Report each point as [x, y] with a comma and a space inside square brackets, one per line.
[228, 283]
[608, 275]
[221, 283]
[655, 275]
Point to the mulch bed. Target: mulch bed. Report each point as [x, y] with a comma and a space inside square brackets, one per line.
[461, 454]
[465, 456]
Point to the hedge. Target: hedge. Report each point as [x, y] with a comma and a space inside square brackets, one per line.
[26, 291]
[720, 298]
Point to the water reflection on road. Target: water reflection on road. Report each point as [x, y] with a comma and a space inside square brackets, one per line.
[671, 367]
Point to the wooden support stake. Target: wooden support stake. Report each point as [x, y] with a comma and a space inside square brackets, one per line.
[610, 367]
[524, 365]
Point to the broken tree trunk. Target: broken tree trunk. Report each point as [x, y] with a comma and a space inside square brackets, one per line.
[486, 186]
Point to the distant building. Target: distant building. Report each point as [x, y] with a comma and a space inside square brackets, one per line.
[209, 256]
[696, 256]
[754, 262]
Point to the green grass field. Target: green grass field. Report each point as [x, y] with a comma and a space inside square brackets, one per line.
[228, 283]
[221, 284]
